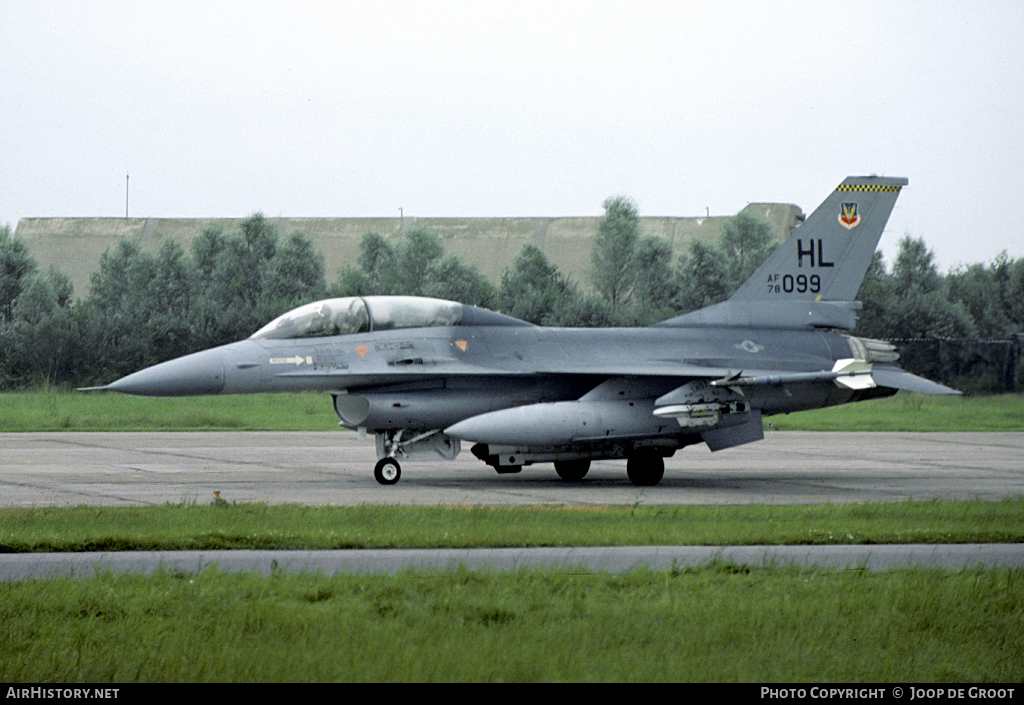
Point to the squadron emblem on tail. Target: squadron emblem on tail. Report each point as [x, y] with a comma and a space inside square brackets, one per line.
[848, 217]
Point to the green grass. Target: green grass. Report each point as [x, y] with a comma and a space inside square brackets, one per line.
[912, 413]
[718, 623]
[57, 410]
[226, 526]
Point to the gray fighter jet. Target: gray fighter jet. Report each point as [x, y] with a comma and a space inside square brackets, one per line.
[425, 375]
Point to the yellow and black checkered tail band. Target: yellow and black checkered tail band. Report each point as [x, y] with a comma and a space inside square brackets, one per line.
[868, 187]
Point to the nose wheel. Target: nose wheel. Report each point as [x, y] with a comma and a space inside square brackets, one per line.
[387, 471]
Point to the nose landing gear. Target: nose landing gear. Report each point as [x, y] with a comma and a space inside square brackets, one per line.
[387, 471]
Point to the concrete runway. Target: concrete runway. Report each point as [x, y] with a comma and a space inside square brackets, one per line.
[66, 469]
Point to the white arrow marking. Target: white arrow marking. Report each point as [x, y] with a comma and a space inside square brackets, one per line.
[296, 360]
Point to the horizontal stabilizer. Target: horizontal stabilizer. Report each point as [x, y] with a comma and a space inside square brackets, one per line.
[895, 378]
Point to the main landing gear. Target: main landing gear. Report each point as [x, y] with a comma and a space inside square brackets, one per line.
[645, 467]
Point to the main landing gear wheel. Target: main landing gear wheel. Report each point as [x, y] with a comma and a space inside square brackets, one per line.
[387, 471]
[572, 470]
[645, 468]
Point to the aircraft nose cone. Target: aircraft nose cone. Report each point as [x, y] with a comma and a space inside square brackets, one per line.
[192, 375]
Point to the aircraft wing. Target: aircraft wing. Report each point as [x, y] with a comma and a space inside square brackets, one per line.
[845, 373]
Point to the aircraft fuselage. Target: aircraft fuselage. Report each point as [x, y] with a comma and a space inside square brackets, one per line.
[434, 377]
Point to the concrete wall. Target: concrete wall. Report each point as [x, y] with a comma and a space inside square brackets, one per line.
[74, 245]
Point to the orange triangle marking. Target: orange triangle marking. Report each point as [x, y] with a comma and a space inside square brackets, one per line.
[461, 345]
[361, 349]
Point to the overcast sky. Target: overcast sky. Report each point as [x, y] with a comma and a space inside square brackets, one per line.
[490, 108]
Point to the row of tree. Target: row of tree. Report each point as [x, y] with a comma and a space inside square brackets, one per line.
[143, 308]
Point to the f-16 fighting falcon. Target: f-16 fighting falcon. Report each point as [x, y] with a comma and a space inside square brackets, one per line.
[426, 375]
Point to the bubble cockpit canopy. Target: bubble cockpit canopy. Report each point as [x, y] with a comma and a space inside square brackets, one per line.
[357, 314]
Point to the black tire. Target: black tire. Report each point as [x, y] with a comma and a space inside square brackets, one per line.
[387, 471]
[572, 470]
[645, 468]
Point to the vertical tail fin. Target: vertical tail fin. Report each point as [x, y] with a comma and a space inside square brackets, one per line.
[812, 279]
[826, 257]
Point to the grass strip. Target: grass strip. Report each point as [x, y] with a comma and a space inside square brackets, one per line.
[57, 410]
[718, 623]
[225, 525]
[916, 413]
